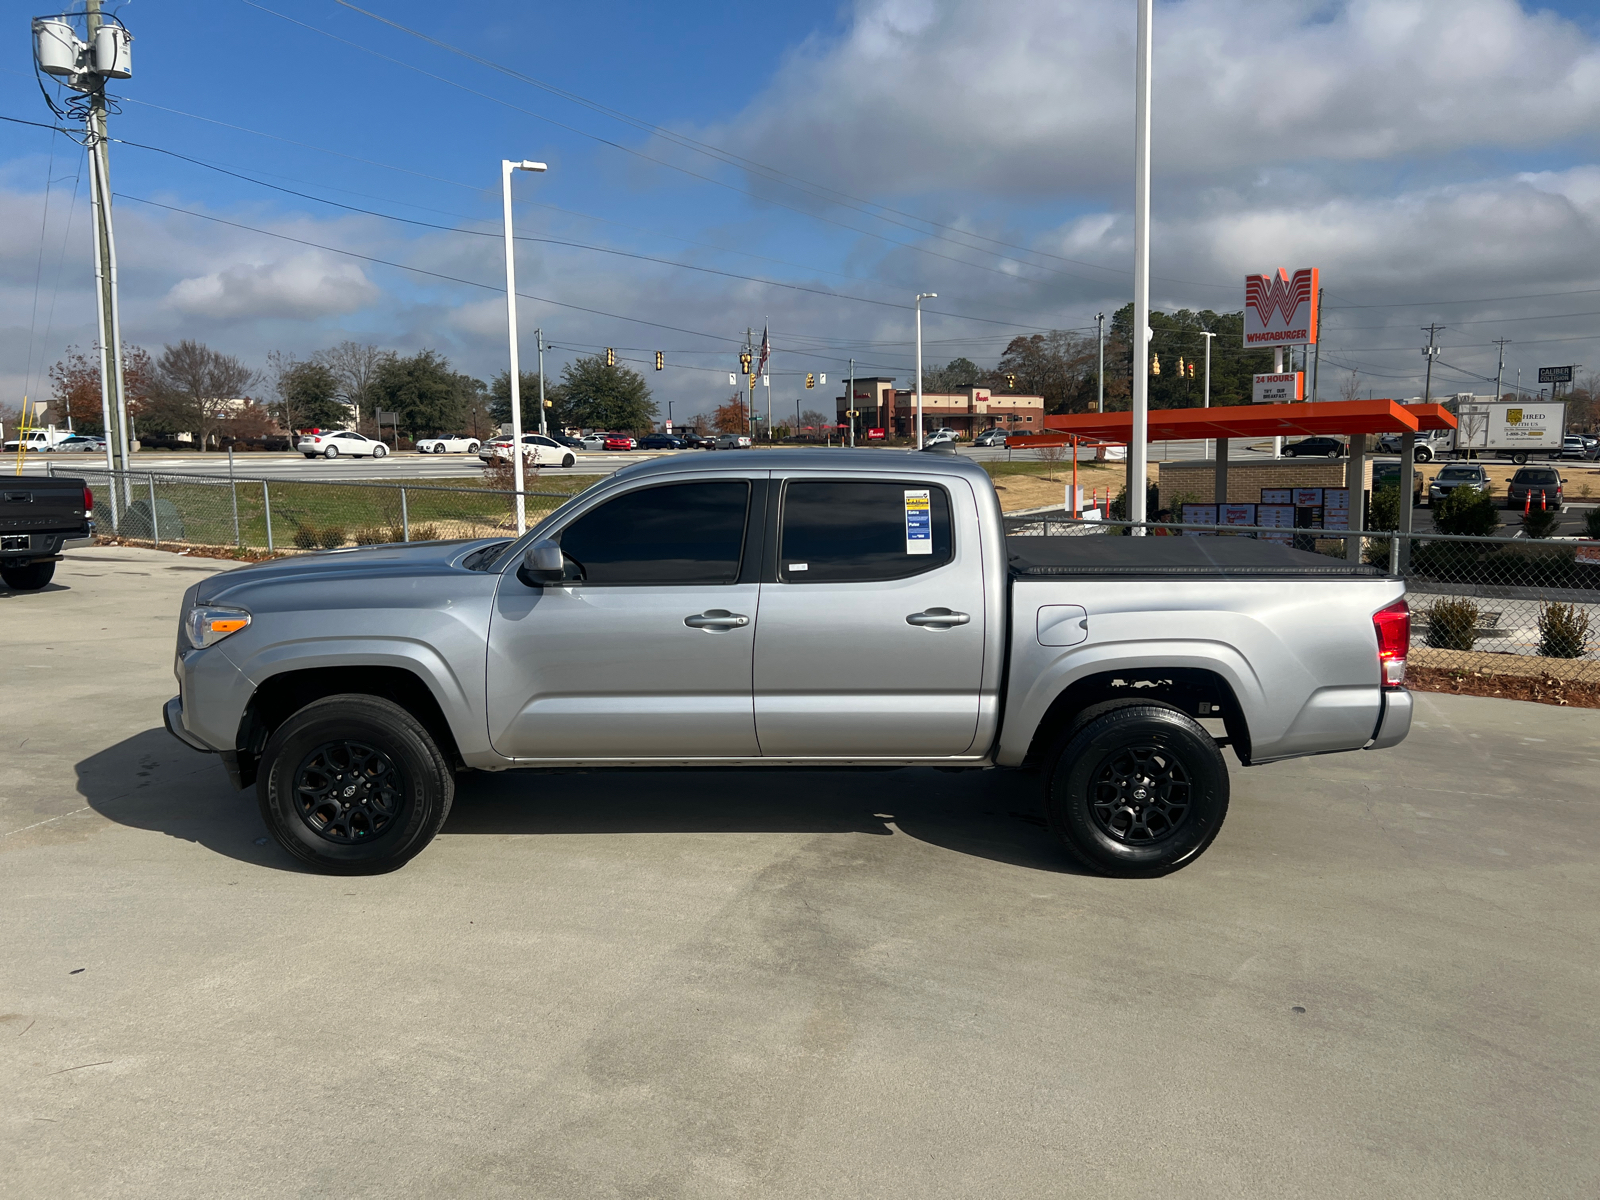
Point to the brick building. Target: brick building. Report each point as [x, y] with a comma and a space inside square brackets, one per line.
[969, 412]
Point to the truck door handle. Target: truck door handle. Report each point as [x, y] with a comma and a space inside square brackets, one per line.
[715, 620]
[938, 618]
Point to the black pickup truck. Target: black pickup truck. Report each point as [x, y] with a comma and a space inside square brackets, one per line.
[37, 517]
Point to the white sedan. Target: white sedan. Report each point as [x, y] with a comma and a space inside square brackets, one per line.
[331, 443]
[448, 445]
[537, 451]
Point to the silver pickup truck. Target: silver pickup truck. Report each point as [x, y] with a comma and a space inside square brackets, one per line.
[788, 608]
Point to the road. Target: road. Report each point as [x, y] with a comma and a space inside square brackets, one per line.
[1378, 982]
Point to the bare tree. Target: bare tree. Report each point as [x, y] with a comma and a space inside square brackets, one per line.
[355, 365]
[1052, 457]
[1350, 389]
[204, 385]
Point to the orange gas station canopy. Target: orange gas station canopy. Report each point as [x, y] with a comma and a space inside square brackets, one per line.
[1251, 421]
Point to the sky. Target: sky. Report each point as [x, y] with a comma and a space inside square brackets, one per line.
[295, 173]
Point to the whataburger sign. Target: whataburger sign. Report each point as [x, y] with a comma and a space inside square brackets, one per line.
[1281, 309]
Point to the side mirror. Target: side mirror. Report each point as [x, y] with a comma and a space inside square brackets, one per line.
[542, 563]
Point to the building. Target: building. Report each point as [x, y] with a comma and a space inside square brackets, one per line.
[969, 412]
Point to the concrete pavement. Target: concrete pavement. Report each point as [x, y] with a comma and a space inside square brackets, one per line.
[1380, 980]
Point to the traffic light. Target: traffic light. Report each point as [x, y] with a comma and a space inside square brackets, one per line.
[811, 380]
[744, 363]
[611, 357]
[1155, 364]
[660, 361]
[1011, 380]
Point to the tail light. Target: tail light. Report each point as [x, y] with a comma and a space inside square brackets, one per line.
[1393, 627]
[88, 504]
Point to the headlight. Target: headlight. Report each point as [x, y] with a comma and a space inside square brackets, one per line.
[206, 624]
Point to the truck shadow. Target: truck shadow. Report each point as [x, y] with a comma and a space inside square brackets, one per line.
[151, 781]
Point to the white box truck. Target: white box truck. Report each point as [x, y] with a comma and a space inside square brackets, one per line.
[1486, 427]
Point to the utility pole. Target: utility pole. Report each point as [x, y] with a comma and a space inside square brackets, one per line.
[1206, 398]
[1137, 446]
[1100, 378]
[1431, 353]
[544, 427]
[921, 296]
[1316, 368]
[1499, 371]
[850, 394]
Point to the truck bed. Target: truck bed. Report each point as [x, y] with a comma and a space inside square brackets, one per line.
[1145, 557]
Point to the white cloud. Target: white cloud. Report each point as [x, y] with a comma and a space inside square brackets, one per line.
[303, 286]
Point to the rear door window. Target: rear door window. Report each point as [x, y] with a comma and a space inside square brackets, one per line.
[679, 533]
[838, 531]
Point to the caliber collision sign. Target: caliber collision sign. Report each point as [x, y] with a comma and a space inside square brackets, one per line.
[1555, 374]
[1281, 309]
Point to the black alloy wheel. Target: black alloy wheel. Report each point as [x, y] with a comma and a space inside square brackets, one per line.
[348, 792]
[353, 785]
[1135, 790]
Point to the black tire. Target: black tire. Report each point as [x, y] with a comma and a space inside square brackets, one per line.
[1519, 459]
[1098, 767]
[569, 460]
[472, 447]
[1290, 453]
[331, 452]
[1333, 454]
[379, 450]
[1421, 454]
[342, 748]
[28, 578]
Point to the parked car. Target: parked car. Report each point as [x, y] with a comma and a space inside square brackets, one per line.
[37, 439]
[1571, 447]
[39, 517]
[894, 624]
[1318, 447]
[1458, 475]
[1388, 474]
[82, 443]
[1536, 486]
[699, 441]
[594, 441]
[732, 441]
[619, 441]
[571, 443]
[660, 441]
[1425, 447]
[990, 437]
[941, 437]
[448, 445]
[537, 451]
[333, 443]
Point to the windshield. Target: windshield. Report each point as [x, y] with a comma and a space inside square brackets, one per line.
[1546, 476]
[1458, 473]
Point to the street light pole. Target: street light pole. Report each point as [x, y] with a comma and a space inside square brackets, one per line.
[506, 167]
[1137, 447]
[1206, 402]
[1100, 376]
[921, 296]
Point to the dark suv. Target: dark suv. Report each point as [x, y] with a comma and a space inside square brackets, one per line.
[1315, 447]
[1535, 487]
[660, 441]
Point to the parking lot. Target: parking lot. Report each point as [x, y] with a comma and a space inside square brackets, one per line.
[1380, 980]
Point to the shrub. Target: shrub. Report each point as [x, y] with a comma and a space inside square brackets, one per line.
[425, 533]
[306, 536]
[1540, 522]
[1466, 512]
[1591, 523]
[1385, 512]
[370, 536]
[1452, 624]
[1563, 631]
[331, 537]
[395, 533]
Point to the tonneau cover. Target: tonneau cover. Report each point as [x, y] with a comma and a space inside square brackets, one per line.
[1102, 555]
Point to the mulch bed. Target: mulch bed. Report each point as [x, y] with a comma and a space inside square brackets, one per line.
[1537, 688]
[232, 553]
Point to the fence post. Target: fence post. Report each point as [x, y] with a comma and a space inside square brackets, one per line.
[266, 503]
[1394, 555]
[155, 521]
[405, 517]
[233, 494]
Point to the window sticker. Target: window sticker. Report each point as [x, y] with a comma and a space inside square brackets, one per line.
[919, 522]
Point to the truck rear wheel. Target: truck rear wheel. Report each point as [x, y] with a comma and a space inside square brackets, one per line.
[28, 578]
[1136, 792]
[353, 785]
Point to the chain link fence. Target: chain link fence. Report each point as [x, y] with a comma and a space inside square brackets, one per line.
[218, 512]
[1496, 605]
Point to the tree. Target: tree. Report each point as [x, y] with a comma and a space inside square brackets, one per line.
[476, 419]
[528, 391]
[422, 390]
[1059, 365]
[308, 395]
[1350, 389]
[732, 417]
[1178, 335]
[818, 423]
[598, 396]
[75, 386]
[957, 375]
[1466, 512]
[196, 391]
[354, 366]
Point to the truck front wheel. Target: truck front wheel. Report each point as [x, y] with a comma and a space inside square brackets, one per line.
[1136, 792]
[353, 785]
[28, 578]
